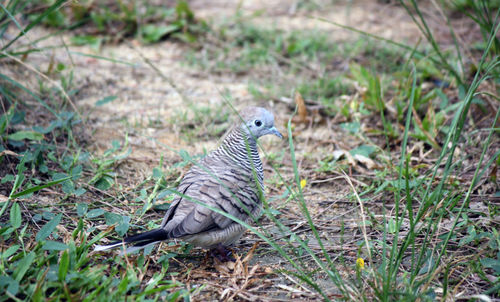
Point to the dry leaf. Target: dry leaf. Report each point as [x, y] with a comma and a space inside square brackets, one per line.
[299, 100]
[268, 270]
[8, 152]
[368, 162]
[337, 154]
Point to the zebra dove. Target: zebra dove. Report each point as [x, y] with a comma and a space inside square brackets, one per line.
[229, 179]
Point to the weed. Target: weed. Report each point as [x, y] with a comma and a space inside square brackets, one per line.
[115, 20]
[46, 254]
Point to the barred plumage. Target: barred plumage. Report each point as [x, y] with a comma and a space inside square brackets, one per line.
[230, 178]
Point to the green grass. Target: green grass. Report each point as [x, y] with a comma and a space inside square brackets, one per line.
[113, 21]
[46, 244]
[420, 227]
[243, 45]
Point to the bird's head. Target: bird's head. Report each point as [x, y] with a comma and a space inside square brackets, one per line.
[257, 122]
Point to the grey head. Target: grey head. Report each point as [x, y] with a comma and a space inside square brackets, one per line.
[257, 122]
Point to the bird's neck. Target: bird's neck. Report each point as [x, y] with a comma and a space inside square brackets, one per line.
[242, 149]
[241, 145]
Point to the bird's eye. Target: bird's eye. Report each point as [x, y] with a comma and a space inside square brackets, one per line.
[258, 123]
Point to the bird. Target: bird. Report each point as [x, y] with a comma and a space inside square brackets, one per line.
[229, 179]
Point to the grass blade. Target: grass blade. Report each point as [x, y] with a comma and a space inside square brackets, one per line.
[35, 22]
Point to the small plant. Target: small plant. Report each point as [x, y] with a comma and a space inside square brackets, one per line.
[104, 174]
[46, 249]
[113, 21]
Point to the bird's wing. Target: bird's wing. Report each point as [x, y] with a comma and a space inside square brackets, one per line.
[229, 190]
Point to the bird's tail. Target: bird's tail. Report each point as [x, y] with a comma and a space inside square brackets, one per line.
[137, 242]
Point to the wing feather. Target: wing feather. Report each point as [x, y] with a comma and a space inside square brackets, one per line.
[235, 195]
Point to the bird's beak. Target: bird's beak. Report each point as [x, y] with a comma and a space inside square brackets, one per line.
[275, 131]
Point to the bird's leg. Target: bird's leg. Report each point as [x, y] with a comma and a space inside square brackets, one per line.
[222, 253]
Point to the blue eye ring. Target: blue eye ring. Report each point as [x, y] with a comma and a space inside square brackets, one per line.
[258, 123]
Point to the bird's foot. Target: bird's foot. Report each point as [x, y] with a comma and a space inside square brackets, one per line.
[222, 253]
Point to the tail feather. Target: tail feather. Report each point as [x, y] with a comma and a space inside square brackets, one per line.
[132, 249]
[138, 241]
[107, 247]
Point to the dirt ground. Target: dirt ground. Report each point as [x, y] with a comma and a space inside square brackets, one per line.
[146, 98]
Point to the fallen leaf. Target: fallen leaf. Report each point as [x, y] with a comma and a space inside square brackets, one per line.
[8, 152]
[337, 154]
[299, 100]
[368, 162]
